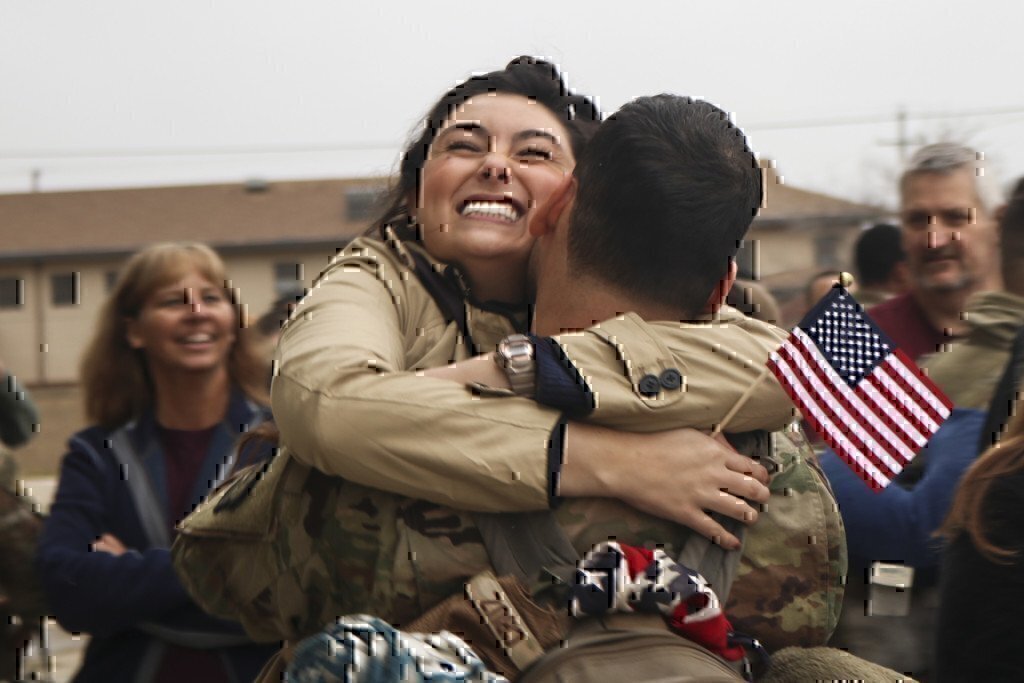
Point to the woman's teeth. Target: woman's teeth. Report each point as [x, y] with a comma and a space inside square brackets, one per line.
[491, 209]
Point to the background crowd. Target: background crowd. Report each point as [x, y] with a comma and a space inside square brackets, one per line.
[174, 376]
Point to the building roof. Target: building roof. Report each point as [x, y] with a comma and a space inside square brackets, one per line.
[786, 203]
[258, 215]
[226, 216]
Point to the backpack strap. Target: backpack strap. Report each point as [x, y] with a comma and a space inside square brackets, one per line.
[444, 294]
[714, 563]
[999, 409]
[527, 545]
[532, 545]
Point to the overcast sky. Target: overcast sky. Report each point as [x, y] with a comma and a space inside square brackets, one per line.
[90, 91]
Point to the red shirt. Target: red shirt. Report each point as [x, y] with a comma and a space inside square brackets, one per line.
[905, 322]
[184, 453]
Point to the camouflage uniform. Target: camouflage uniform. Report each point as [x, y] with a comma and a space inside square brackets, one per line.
[969, 370]
[317, 547]
[18, 417]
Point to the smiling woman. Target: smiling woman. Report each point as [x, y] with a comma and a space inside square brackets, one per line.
[188, 325]
[497, 158]
[170, 384]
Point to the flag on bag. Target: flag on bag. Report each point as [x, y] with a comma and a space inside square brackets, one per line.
[865, 397]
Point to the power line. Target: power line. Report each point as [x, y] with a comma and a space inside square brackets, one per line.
[239, 150]
[247, 150]
[880, 118]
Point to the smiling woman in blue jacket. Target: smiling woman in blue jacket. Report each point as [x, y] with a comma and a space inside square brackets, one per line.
[170, 384]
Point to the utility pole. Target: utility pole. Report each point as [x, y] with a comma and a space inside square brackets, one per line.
[903, 142]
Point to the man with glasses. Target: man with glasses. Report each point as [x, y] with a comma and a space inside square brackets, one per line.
[950, 234]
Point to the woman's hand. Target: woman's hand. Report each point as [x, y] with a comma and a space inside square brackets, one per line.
[480, 369]
[109, 543]
[679, 475]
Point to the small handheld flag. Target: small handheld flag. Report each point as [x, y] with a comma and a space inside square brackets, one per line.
[865, 397]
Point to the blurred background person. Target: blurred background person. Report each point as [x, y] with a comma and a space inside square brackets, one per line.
[898, 525]
[169, 383]
[21, 602]
[970, 368]
[18, 420]
[755, 300]
[267, 330]
[981, 612]
[880, 265]
[948, 201]
[818, 286]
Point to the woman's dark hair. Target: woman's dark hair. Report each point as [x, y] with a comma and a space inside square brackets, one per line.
[533, 78]
[975, 511]
[536, 79]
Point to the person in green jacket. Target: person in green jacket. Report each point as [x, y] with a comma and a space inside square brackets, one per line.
[19, 421]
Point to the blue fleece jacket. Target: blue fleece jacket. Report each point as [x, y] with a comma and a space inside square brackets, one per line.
[120, 600]
[896, 524]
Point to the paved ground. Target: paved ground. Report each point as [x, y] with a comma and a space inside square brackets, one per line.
[64, 650]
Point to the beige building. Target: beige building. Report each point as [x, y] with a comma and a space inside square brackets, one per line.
[61, 252]
[799, 233]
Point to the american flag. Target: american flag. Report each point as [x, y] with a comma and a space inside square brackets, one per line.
[866, 398]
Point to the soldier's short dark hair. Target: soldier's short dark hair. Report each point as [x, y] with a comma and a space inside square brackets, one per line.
[667, 189]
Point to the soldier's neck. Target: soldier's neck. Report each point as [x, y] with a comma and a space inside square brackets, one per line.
[582, 302]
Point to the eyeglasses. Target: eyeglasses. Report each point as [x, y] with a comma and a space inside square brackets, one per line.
[953, 218]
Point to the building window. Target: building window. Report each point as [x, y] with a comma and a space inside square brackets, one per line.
[287, 279]
[66, 289]
[360, 202]
[12, 292]
[110, 279]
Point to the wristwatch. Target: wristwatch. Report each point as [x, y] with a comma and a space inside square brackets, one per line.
[515, 357]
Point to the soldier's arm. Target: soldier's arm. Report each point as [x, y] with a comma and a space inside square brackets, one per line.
[347, 403]
[643, 376]
[347, 400]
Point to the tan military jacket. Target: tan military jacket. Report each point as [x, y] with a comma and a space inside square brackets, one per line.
[304, 547]
[970, 368]
[347, 402]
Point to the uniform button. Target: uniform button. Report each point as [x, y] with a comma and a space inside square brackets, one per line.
[671, 379]
[649, 385]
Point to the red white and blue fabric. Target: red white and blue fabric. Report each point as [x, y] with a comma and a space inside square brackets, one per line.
[865, 397]
[614, 577]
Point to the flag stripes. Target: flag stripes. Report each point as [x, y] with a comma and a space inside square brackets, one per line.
[854, 387]
[823, 398]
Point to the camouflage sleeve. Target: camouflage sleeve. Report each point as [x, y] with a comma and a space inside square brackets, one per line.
[789, 586]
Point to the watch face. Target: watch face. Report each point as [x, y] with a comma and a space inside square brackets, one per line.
[516, 347]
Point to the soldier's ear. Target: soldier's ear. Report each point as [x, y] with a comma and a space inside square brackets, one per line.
[546, 216]
[721, 291]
